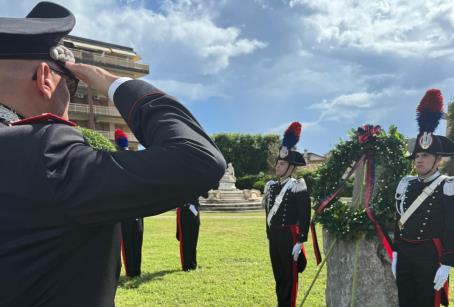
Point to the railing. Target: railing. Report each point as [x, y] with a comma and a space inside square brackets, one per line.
[108, 59]
[100, 110]
[111, 135]
[108, 111]
[79, 108]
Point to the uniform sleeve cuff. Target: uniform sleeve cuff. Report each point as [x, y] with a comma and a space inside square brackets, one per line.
[113, 87]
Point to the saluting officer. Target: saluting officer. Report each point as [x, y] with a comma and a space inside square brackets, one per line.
[62, 200]
[424, 236]
[288, 212]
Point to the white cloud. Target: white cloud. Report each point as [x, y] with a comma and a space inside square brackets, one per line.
[185, 91]
[408, 28]
[174, 39]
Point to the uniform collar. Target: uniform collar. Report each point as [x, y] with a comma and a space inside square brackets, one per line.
[284, 181]
[8, 114]
[430, 178]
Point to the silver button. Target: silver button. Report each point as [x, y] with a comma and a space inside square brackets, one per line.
[428, 210]
[430, 204]
[433, 197]
[419, 238]
[421, 230]
[401, 235]
[426, 218]
[424, 224]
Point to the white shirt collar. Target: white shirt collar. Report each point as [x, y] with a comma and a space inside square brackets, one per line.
[430, 178]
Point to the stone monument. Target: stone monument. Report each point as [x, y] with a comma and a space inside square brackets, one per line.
[229, 198]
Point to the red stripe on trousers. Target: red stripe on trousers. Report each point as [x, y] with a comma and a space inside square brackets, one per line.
[123, 254]
[439, 248]
[294, 230]
[180, 237]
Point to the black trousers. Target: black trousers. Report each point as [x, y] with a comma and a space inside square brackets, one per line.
[417, 264]
[285, 272]
[132, 234]
[188, 226]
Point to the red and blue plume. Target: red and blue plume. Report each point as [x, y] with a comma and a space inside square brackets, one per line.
[430, 111]
[292, 135]
[121, 139]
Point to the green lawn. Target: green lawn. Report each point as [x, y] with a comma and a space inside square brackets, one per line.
[234, 266]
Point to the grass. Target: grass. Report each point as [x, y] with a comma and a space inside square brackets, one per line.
[234, 266]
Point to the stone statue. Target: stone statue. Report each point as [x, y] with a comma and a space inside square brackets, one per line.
[230, 170]
[227, 181]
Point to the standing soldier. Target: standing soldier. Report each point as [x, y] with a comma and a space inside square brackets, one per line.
[188, 225]
[424, 236]
[132, 229]
[288, 212]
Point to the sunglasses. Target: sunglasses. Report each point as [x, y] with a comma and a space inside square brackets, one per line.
[71, 81]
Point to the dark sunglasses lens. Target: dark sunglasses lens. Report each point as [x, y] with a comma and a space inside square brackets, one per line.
[72, 86]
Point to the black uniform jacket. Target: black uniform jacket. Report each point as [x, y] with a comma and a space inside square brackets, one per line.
[433, 219]
[61, 200]
[295, 208]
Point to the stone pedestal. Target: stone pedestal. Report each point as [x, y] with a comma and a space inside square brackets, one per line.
[375, 285]
[228, 198]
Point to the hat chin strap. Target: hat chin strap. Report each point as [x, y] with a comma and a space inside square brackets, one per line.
[431, 171]
[288, 167]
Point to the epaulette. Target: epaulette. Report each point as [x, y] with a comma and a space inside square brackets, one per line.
[45, 118]
[402, 186]
[298, 185]
[448, 188]
[267, 186]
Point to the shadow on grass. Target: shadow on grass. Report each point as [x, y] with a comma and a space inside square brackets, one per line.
[135, 282]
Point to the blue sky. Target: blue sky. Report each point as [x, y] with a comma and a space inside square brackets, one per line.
[254, 66]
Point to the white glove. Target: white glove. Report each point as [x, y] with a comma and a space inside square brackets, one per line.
[394, 264]
[193, 209]
[441, 276]
[296, 250]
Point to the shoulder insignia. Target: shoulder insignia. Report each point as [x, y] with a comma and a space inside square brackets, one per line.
[46, 118]
[298, 185]
[267, 186]
[448, 188]
[402, 186]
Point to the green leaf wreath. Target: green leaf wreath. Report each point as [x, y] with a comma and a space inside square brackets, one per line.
[339, 218]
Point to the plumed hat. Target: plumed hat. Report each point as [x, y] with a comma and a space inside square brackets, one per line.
[121, 139]
[428, 114]
[287, 151]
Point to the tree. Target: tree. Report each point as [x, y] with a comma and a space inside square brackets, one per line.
[249, 153]
[448, 165]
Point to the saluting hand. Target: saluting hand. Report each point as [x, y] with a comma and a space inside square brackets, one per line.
[95, 77]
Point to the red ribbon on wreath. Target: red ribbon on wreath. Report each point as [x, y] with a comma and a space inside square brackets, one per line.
[366, 133]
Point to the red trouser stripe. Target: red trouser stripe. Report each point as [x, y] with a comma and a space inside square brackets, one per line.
[294, 231]
[445, 288]
[180, 237]
[123, 253]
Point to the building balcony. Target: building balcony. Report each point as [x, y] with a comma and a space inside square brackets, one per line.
[98, 110]
[110, 61]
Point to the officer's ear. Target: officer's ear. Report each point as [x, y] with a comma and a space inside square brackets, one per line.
[45, 82]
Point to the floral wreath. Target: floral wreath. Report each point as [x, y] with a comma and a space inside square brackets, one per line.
[390, 165]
